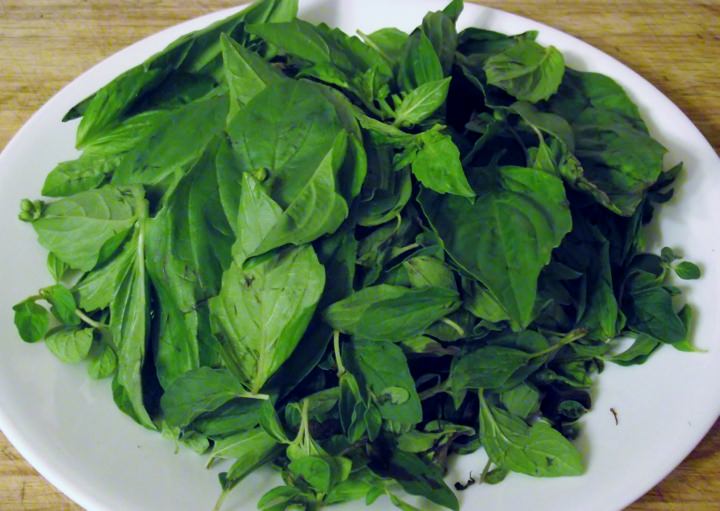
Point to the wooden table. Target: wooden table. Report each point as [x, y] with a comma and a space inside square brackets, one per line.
[675, 44]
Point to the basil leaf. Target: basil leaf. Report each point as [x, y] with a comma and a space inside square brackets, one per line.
[418, 477]
[390, 313]
[196, 392]
[526, 71]
[538, 450]
[262, 312]
[382, 368]
[70, 345]
[437, 165]
[129, 328]
[62, 304]
[31, 320]
[81, 229]
[506, 236]
[420, 103]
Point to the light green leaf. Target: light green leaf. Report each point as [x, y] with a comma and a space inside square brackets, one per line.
[391, 313]
[71, 345]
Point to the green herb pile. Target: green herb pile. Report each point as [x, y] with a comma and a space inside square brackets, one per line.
[353, 257]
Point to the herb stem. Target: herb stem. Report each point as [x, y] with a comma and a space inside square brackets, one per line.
[406, 248]
[437, 389]
[569, 338]
[452, 324]
[485, 470]
[90, 321]
[253, 395]
[338, 356]
[221, 500]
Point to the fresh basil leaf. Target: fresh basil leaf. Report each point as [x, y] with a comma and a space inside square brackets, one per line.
[390, 313]
[420, 63]
[62, 304]
[488, 367]
[129, 320]
[246, 73]
[262, 312]
[388, 42]
[31, 320]
[81, 228]
[178, 138]
[196, 392]
[197, 52]
[537, 451]
[265, 136]
[56, 267]
[437, 165]
[687, 270]
[70, 345]
[522, 400]
[418, 477]
[526, 71]
[382, 368]
[255, 450]
[102, 361]
[528, 212]
[425, 271]
[237, 445]
[420, 103]
[439, 27]
[187, 248]
[96, 289]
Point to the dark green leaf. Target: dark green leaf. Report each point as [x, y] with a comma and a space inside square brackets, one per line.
[31, 320]
[196, 392]
[687, 271]
[506, 236]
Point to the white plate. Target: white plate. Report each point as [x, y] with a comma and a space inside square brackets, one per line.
[68, 427]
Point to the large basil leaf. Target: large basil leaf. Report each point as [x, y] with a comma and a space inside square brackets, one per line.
[417, 477]
[263, 311]
[177, 139]
[537, 451]
[196, 392]
[419, 104]
[507, 235]
[293, 133]
[129, 320]
[83, 229]
[197, 52]
[317, 209]
[606, 123]
[391, 313]
[526, 71]
[188, 247]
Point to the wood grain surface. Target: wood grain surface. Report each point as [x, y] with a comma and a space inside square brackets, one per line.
[44, 44]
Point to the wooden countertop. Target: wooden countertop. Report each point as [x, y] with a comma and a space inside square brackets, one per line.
[675, 44]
